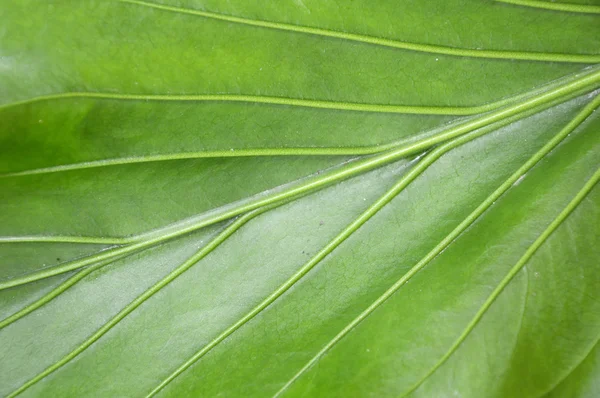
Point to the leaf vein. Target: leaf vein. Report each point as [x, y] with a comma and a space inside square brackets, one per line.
[427, 160]
[547, 5]
[573, 368]
[86, 271]
[511, 274]
[587, 81]
[487, 203]
[280, 101]
[226, 233]
[57, 291]
[419, 47]
[100, 240]
[316, 151]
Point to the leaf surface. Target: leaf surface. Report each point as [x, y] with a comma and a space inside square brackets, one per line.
[299, 198]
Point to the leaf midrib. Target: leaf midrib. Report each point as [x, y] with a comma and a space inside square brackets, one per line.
[84, 272]
[249, 152]
[447, 241]
[586, 81]
[414, 173]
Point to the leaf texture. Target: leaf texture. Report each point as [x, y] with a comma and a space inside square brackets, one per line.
[299, 198]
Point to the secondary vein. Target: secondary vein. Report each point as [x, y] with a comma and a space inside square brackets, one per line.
[511, 274]
[271, 100]
[57, 291]
[234, 152]
[469, 220]
[226, 233]
[86, 271]
[588, 81]
[571, 370]
[428, 160]
[551, 5]
[427, 48]
[99, 240]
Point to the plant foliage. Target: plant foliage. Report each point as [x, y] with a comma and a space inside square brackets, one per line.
[299, 198]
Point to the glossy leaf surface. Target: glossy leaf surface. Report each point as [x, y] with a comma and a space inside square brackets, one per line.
[299, 198]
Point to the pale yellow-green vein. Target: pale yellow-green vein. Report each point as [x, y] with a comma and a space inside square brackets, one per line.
[220, 238]
[98, 240]
[279, 101]
[555, 6]
[511, 274]
[57, 291]
[427, 48]
[587, 81]
[90, 269]
[248, 152]
[415, 172]
[486, 204]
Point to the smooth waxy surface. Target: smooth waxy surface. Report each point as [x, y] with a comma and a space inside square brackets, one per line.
[303, 198]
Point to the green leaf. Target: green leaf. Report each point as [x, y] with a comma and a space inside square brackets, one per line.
[299, 198]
